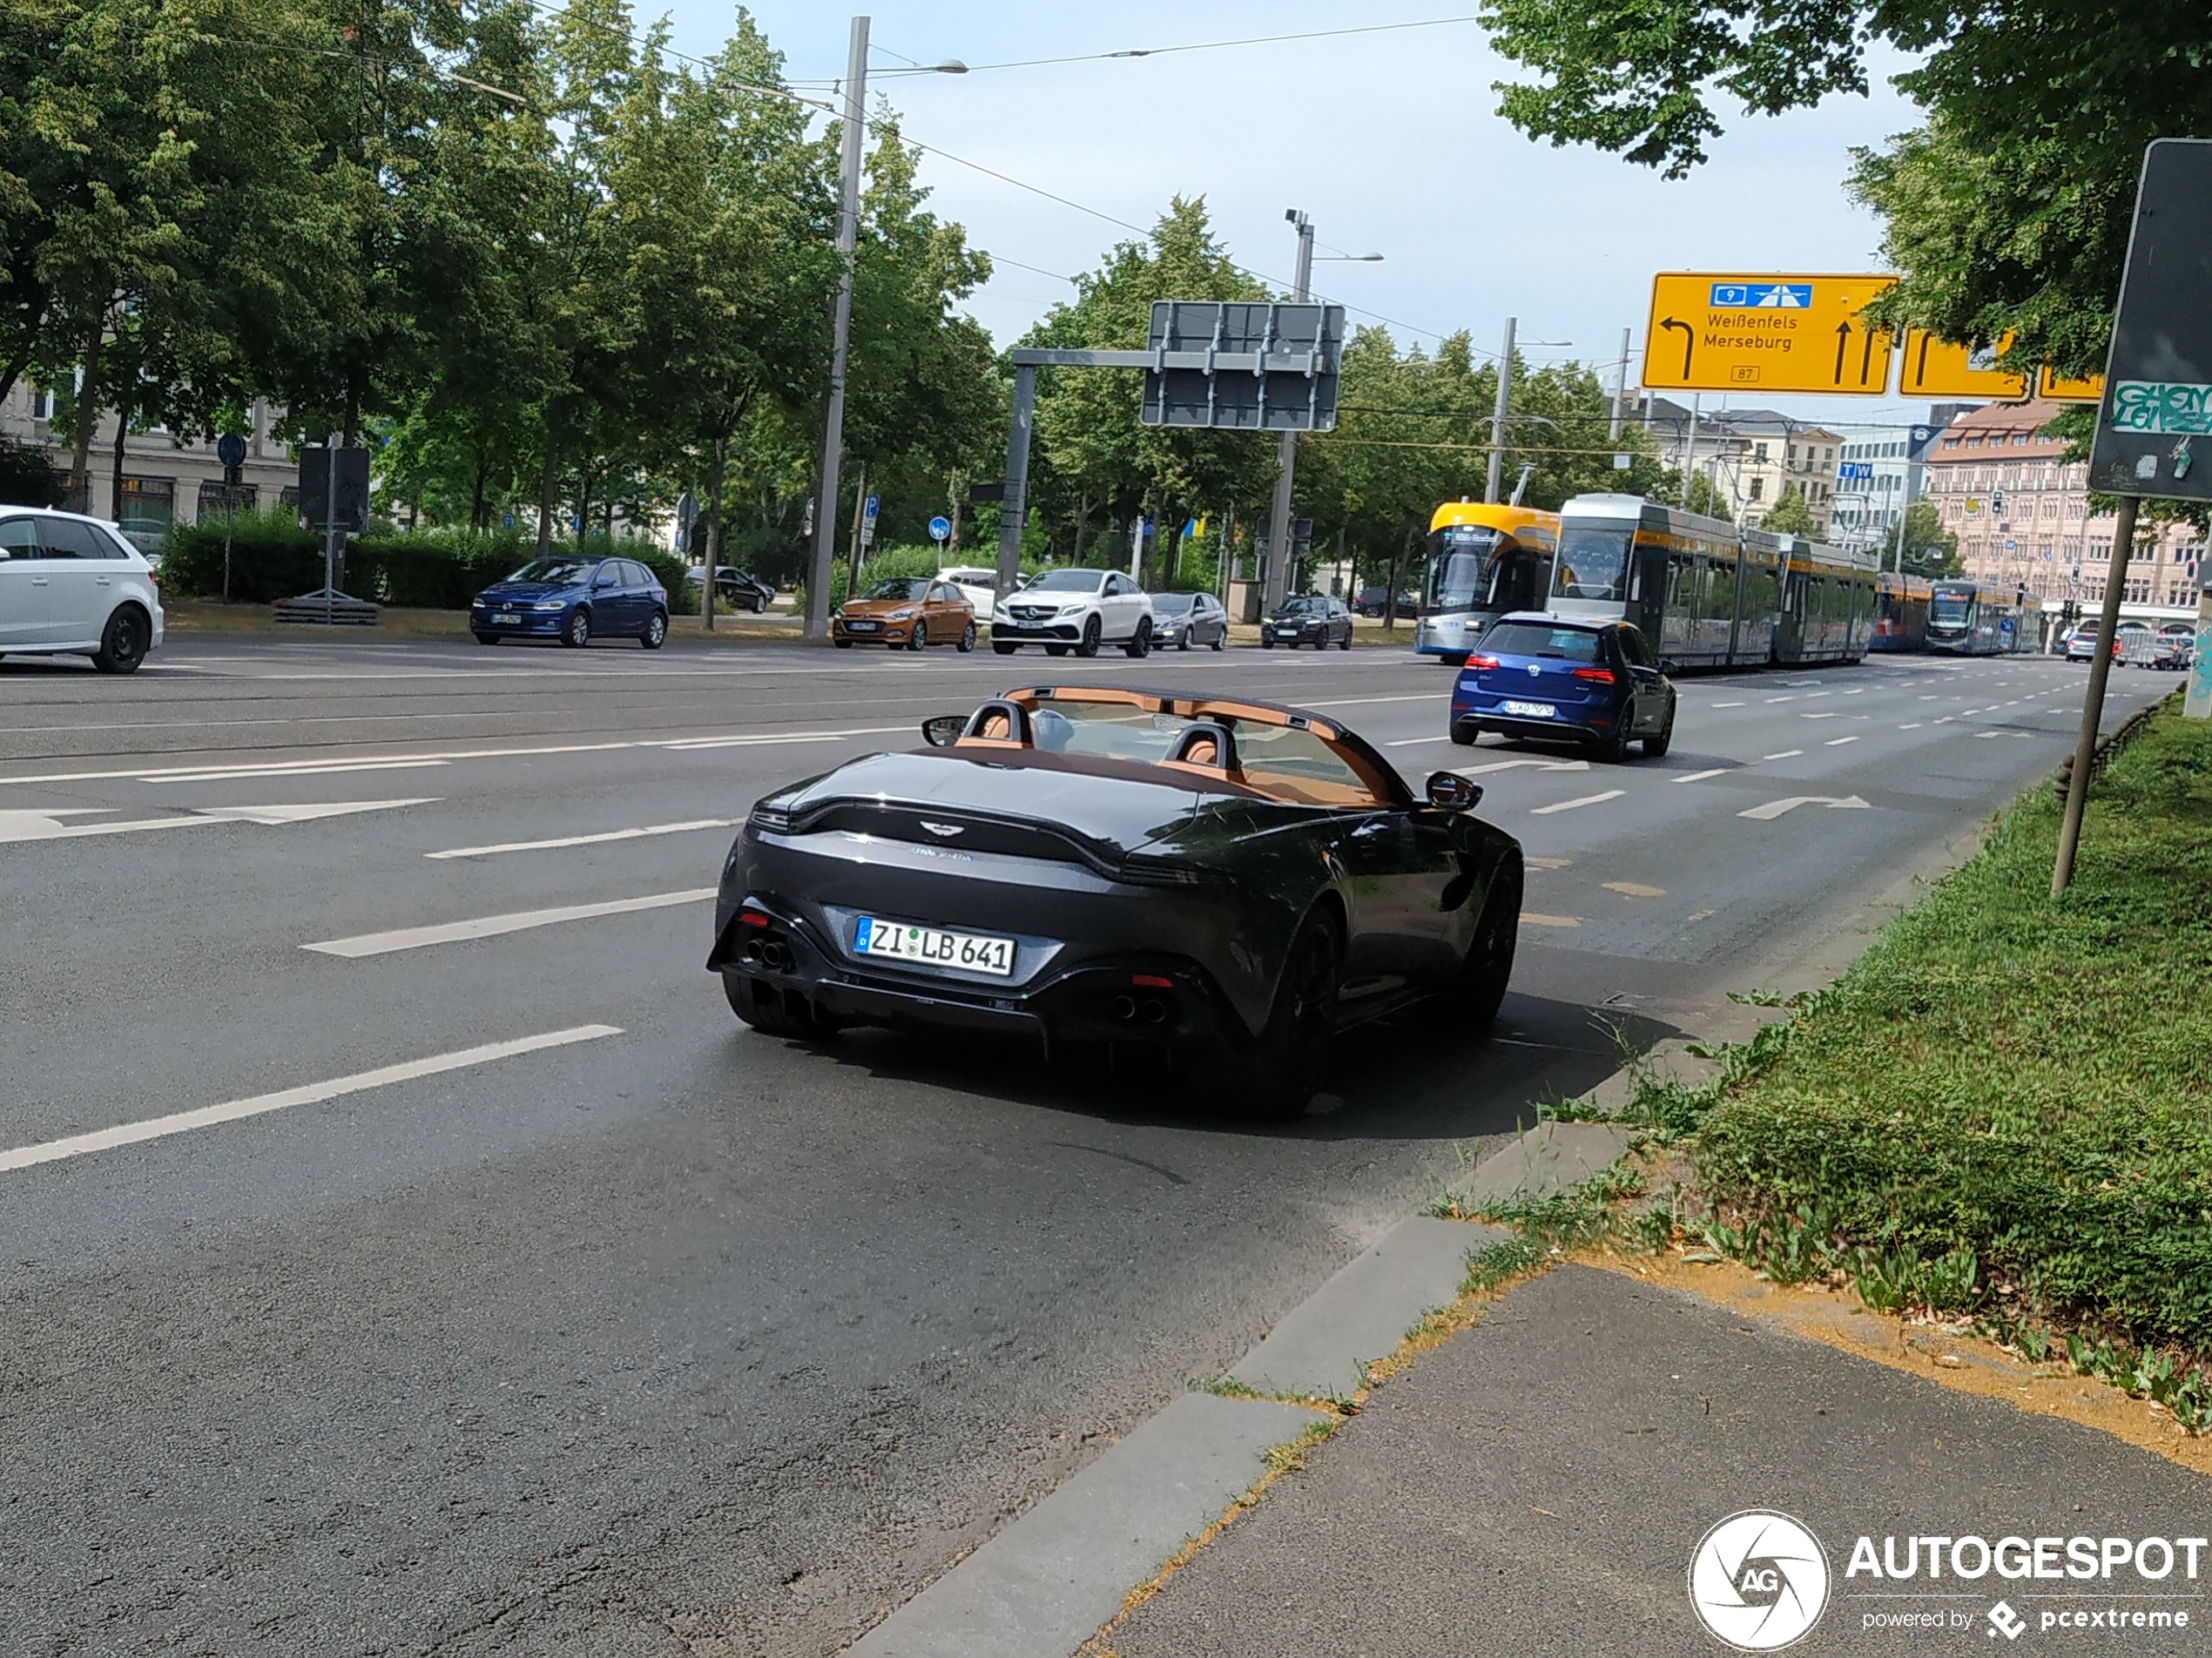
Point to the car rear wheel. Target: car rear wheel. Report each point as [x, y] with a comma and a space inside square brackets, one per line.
[1091, 634]
[1140, 642]
[655, 633]
[1613, 746]
[770, 1009]
[123, 642]
[577, 634]
[1488, 968]
[1466, 736]
[1657, 744]
[967, 639]
[1279, 1079]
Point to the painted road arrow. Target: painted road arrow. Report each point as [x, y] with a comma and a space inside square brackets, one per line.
[48, 823]
[1774, 809]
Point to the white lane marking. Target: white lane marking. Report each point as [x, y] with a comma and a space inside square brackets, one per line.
[1699, 776]
[1774, 809]
[1533, 920]
[1635, 889]
[1781, 699]
[1914, 726]
[1410, 741]
[1541, 765]
[318, 768]
[1820, 717]
[1586, 800]
[1359, 701]
[1837, 742]
[1860, 691]
[1550, 863]
[127, 1134]
[1728, 705]
[46, 825]
[485, 926]
[588, 840]
[295, 768]
[1786, 754]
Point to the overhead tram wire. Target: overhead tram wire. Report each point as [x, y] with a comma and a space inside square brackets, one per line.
[768, 89]
[1209, 45]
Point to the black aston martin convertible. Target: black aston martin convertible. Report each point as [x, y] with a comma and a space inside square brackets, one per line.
[1223, 882]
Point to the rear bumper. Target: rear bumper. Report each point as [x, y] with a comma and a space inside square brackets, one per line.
[787, 911]
[1569, 724]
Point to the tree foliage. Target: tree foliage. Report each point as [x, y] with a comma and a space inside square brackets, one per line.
[2007, 211]
[1789, 516]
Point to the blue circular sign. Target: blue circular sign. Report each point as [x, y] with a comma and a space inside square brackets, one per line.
[230, 449]
[941, 528]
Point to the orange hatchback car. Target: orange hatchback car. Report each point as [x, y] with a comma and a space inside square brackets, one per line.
[910, 611]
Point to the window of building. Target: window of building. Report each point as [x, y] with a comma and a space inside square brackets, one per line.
[1759, 487]
[2019, 439]
[211, 498]
[42, 406]
[1758, 451]
[148, 505]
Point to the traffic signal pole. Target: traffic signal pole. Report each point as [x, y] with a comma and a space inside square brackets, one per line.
[2093, 706]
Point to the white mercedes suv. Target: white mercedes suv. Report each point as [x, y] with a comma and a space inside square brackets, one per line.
[73, 584]
[1077, 611]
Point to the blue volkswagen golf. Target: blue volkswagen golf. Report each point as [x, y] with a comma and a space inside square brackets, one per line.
[574, 598]
[1565, 678]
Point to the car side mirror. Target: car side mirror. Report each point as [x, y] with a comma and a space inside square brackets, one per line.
[943, 730]
[1449, 791]
[1668, 665]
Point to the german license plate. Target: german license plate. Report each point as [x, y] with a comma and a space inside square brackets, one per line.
[509, 616]
[1532, 710]
[933, 947]
[861, 627]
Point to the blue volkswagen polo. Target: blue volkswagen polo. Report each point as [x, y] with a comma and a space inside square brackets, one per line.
[1569, 678]
[574, 598]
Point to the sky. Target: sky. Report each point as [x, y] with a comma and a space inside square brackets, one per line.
[1389, 140]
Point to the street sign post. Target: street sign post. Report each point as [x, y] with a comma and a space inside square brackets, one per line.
[2155, 424]
[1714, 332]
[867, 521]
[940, 530]
[1937, 368]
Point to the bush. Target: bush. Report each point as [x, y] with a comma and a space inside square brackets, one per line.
[27, 478]
[271, 557]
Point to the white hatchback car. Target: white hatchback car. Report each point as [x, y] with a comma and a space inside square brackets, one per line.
[73, 584]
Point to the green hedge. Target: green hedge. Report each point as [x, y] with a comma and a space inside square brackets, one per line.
[272, 558]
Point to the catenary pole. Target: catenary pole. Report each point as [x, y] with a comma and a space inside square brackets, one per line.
[1620, 391]
[1278, 518]
[848, 235]
[1498, 417]
[2093, 706]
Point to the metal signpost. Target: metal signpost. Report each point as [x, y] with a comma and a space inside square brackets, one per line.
[333, 494]
[687, 518]
[230, 450]
[1242, 367]
[1714, 332]
[848, 222]
[940, 530]
[2154, 424]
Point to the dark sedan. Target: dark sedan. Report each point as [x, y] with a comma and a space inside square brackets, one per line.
[1597, 684]
[736, 589]
[1314, 620]
[1180, 620]
[1203, 887]
[574, 599]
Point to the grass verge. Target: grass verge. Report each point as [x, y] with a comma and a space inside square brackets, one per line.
[2003, 1112]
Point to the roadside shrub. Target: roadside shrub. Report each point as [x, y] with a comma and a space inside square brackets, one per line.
[27, 477]
[271, 557]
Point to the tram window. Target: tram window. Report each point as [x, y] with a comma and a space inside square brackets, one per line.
[1593, 562]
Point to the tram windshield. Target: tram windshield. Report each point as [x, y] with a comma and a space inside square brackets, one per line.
[1592, 562]
[1460, 569]
[1951, 607]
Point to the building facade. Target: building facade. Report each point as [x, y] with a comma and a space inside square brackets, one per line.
[1752, 456]
[2020, 510]
[161, 480]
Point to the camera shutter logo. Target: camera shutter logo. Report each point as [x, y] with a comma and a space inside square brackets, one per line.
[1758, 1581]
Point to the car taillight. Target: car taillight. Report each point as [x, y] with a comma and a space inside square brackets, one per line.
[1482, 661]
[1596, 676]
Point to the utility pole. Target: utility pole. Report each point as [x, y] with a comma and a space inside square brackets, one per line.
[1689, 460]
[1498, 417]
[848, 234]
[1278, 519]
[1620, 391]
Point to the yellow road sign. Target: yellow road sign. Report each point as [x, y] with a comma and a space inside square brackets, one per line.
[2090, 388]
[1714, 332]
[1936, 367]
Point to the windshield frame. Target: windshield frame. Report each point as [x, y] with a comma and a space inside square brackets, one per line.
[584, 567]
[875, 594]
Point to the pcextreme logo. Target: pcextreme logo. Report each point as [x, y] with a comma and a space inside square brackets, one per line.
[1758, 1581]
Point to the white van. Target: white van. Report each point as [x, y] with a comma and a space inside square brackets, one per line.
[72, 585]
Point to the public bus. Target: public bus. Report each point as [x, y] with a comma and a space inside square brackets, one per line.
[1707, 594]
[1900, 613]
[1482, 560]
[1968, 619]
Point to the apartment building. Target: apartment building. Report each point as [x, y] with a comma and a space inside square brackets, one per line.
[1752, 455]
[2020, 510]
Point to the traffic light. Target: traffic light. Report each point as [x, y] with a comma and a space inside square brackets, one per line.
[1997, 502]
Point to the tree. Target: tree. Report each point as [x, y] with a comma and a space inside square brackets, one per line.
[2007, 211]
[1790, 515]
[1930, 550]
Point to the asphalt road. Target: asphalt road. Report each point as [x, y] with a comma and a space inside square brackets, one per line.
[664, 1337]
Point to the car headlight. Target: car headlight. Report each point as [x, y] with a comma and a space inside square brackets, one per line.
[775, 820]
[1073, 609]
[552, 605]
[899, 615]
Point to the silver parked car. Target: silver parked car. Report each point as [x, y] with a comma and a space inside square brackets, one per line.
[73, 585]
